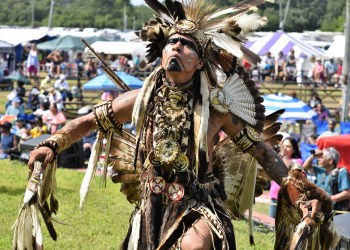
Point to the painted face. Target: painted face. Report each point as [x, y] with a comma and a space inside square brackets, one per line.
[181, 54]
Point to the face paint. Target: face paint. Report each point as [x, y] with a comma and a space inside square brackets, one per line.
[174, 65]
[189, 62]
[184, 42]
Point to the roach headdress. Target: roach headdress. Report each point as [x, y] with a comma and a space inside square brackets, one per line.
[217, 31]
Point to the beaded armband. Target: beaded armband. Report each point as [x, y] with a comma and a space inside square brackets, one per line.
[58, 142]
[105, 118]
[247, 138]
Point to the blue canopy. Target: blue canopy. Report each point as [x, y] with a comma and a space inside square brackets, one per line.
[102, 82]
[295, 109]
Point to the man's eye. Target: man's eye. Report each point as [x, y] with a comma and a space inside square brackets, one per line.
[172, 41]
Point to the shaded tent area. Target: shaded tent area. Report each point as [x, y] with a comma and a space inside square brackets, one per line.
[337, 48]
[68, 42]
[19, 37]
[131, 49]
[281, 41]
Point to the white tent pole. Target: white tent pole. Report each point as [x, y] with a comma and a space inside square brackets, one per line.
[346, 65]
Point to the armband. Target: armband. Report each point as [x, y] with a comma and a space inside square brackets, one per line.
[247, 138]
[105, 118]
[58, 142]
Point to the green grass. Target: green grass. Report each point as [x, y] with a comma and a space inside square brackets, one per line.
[104, 221]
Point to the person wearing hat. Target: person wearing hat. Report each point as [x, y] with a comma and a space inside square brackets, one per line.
[9, 141]
[62, 86]
[178, 114]
[55, 97]
[15, 108]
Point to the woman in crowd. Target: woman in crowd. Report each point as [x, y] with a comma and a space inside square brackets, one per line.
[290, 153]
[54, 119]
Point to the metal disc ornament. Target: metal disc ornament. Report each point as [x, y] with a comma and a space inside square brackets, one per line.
[176, 192]
[181, 163]
[157, 185]
[166, 151]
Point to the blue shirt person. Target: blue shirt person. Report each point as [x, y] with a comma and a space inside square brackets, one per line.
[335, 181]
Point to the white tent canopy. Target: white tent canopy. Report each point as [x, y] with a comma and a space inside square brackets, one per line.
[337, 48]
[120, 48]
[17, 36]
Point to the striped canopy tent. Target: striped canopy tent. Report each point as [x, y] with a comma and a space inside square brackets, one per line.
[281, 41]
[295, 109]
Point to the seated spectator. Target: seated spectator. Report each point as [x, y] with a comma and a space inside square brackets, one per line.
[107, 95]
[338, 74]
[88, 141]
[46, 82]
[54, 119]
[15, 108]
[43, 109]
[269, 66]
[291, 66]
[322, 113]
[335, 181]
[20, 130]
[319, 72]
[314, 100]
[280, 66]
[33, 99]
[38, 128]
[331, 129]
[62, 86]
[55, 97]
[330, 70]
[21, 91]
[9, 141]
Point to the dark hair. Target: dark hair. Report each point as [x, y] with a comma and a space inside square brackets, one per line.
[296, 152]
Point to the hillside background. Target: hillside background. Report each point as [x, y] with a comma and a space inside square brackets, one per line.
[325, 15]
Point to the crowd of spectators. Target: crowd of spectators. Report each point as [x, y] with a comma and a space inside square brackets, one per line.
[315, 71]
[321, 165]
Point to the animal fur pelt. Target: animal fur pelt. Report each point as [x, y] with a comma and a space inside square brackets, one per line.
[295, 230]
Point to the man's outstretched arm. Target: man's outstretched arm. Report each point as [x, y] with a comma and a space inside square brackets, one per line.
[76, 129]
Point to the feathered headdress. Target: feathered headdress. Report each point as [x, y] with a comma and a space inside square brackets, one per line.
[218, 32]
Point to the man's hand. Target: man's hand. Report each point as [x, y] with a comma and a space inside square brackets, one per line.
[312, 209]
[43, 154]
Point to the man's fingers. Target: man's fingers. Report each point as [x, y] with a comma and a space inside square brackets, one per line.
[316, 206]
[43, 154]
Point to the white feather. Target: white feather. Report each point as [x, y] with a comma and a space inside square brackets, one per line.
[135, 233]
[239, 99]
[226, 42]
[91, 169]
[28, 229]
[250, 22]
[37, 232]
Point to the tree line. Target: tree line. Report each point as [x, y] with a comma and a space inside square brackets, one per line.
[325, 15]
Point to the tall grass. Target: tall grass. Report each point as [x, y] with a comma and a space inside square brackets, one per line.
[102, 224]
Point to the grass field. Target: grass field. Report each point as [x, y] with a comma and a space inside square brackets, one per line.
[102, 224]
